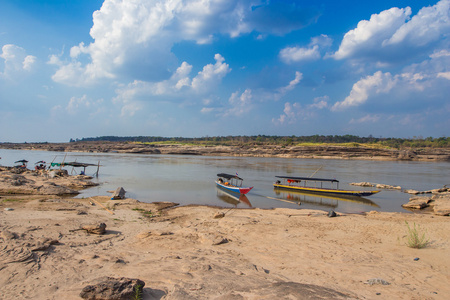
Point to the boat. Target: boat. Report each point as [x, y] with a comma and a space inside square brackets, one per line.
[315, 185]
[232, 183]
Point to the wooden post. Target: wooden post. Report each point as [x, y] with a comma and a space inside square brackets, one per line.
[98, 168]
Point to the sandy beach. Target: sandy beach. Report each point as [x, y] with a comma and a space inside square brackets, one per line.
[199, 252]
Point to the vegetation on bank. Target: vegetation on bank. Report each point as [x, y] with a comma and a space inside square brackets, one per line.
[313, 140]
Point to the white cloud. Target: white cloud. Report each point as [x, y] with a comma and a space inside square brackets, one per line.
[83, 106]
[211, 74]
[28, 62]
[320, 102]
[425, 27]
[239, 104]
[180, 83]
[293, 112]
[296, 54]
[134, 38]
[417, 83]
[393, 34]
[376, 83]
[445, 75]
[370, 34]
[440, 53]
[292, 84]
[289, 115]
[206, 110]
[16, 61]
[366, 119]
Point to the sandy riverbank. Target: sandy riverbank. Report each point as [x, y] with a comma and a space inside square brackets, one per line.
[187, 253]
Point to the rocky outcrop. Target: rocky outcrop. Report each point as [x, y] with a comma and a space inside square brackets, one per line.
[30, 182]
[417, 202]
[439, 202]
[377, 185]
[325, 151]
[114, 289]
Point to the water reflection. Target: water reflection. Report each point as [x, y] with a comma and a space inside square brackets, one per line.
[232, 198]
[321, 199]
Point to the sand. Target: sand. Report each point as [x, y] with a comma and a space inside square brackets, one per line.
[187, 253]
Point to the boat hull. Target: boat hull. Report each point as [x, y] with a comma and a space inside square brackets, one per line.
[236, 189]
[324, 191]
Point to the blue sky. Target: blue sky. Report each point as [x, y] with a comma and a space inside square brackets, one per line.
[86, 68]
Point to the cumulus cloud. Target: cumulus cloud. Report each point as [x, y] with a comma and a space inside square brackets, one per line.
[414, 84]
[180, 83]
[427, 26]
[371, 34]
[293, 112]
[394, 34]
[289, 114]
[376, 83]
[320, 102]
[135, 38]
[240, 104]
[211, 74]
[16, 61]
[296, 54]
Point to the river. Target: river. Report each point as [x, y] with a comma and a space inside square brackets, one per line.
[188, 179]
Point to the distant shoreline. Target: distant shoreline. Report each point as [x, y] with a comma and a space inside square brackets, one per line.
[359, 152]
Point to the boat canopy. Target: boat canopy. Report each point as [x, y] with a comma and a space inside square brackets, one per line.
[72, 164]
[307, 179]
[228, 176]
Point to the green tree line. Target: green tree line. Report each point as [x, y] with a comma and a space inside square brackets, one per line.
[415, 142]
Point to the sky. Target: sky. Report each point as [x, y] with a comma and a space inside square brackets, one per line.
[176, 68]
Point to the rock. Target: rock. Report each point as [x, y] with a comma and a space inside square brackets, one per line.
[219, 215]
[118, 194]
[331, 214]
[406, 155]
[367, 184]
[387, 186]
[114, 289]
[417, 202]
[412, 192]
[442, 205]
[438, 191]
[377, 281]
[220, 241]
[95, 229]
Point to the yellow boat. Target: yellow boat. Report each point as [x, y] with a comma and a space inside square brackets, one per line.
[304, 184]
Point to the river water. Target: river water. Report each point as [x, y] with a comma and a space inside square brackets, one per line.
[188, 179]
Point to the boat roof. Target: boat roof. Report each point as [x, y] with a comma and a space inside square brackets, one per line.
[229, 176]
[73, 164]
[307, 178]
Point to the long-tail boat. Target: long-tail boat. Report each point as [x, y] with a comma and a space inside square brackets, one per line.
[315, 185]
[232, 183]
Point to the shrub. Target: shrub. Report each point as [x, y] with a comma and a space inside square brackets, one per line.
[416, 239]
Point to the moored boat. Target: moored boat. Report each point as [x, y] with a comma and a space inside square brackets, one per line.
[232, 183]
[304, 184]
